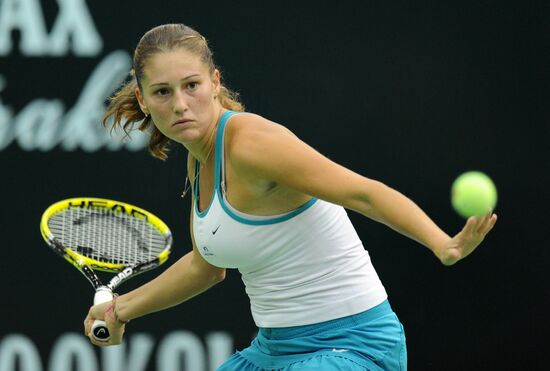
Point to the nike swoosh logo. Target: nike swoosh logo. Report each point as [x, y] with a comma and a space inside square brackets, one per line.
[215, 230]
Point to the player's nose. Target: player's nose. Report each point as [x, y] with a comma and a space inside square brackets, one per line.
[179, 104]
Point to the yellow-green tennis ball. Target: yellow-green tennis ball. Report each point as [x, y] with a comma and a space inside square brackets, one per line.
[473, 193]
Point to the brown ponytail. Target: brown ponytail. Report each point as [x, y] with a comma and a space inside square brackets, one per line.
[124, 111]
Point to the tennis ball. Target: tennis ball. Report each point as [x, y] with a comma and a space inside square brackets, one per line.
[473, 193]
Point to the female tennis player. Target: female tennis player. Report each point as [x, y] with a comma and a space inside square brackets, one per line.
[268, 204]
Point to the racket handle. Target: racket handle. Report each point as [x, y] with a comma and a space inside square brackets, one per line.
[99, 328]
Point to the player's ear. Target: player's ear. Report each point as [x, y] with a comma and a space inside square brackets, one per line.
[216, 82]
[141, 101]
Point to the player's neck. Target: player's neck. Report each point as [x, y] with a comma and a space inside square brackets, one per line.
[203, 150]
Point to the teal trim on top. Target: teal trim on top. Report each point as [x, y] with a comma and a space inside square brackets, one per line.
[220, 134]
[218, 149]
[267, 221]
[217, 163]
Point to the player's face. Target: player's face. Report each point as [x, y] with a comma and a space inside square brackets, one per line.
[178, 91]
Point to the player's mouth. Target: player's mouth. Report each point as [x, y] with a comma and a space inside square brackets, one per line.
[182, 122]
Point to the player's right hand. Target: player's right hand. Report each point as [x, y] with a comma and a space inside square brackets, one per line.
[104, 312]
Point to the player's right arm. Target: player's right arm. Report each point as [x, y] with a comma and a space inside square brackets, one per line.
[186, 278]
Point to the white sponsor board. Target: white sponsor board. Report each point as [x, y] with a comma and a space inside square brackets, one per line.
[43, 124]
[177, 351]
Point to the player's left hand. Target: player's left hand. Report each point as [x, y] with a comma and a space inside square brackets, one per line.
[466, 241]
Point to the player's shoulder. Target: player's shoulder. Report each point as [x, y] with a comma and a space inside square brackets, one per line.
[249, 121]
[249, 128]
[252, 140]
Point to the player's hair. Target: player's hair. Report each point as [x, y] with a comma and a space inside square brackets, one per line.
[123, 110]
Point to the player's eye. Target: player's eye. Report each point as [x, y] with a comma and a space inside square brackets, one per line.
[162, 92]
[192, 85]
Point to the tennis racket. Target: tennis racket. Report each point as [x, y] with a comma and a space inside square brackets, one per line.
[109, 236]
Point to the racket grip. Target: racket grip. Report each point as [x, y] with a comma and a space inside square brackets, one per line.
[99, 328]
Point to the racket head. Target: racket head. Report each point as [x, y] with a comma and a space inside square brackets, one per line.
[105, 235]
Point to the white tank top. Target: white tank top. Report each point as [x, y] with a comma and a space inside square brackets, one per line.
[302, 267]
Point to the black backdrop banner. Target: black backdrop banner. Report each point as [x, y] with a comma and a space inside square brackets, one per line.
[411, 94]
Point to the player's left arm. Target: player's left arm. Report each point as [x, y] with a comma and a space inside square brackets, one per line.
[272, 152]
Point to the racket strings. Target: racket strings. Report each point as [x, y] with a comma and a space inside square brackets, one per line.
[107, 236]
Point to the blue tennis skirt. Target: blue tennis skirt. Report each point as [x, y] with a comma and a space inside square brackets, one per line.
[371, 340]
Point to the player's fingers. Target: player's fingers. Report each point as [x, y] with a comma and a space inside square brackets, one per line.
[487, 221]
[483, 222]
[470, 225]
[115, 339]
[86, 326]
[88, 321]
[490, 224]
[98, 312]
[98, 342]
